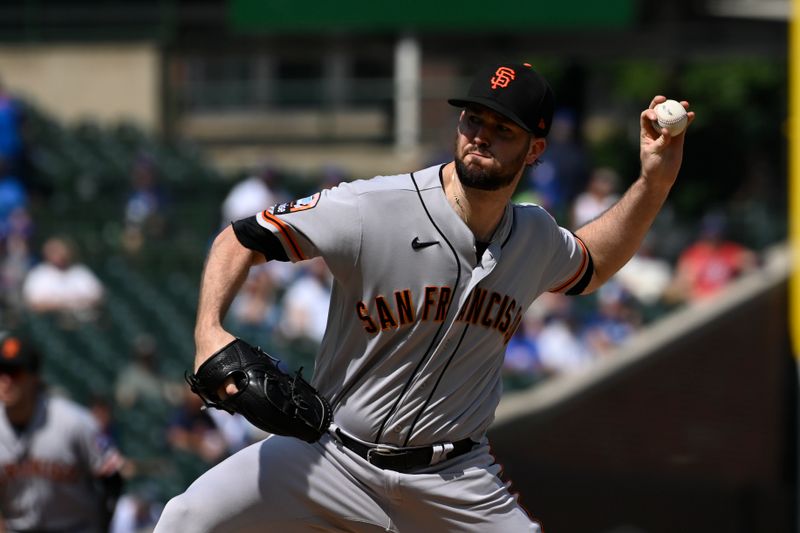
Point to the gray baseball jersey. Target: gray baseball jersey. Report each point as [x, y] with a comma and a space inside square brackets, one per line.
[46, 470]
[418, 323]
[419, 318]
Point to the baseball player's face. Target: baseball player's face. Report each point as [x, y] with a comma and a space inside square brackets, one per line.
[14, 386]
[491, 150]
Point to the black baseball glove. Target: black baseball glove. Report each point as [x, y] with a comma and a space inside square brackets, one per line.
[267, 397]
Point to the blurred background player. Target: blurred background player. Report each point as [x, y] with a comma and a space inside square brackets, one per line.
[57, 471]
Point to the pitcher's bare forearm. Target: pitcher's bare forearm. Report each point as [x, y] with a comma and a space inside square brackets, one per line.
[225, 270]
[614, 237]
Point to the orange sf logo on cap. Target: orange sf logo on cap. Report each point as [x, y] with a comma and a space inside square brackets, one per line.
[502, 77]
[11, 348]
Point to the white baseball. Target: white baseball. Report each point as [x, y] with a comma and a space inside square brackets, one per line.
[671, 115]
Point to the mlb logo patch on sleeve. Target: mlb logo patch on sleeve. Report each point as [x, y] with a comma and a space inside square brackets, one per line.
[295, 205]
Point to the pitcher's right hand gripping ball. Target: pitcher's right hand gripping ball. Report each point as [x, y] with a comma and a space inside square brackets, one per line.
[267, 397]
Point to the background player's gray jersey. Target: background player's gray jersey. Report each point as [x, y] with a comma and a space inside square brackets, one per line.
[46, 470]
[420, 275]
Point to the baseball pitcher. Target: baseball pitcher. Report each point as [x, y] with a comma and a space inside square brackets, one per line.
[433, 272]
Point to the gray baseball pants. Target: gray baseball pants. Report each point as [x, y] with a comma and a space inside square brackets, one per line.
[283, 484]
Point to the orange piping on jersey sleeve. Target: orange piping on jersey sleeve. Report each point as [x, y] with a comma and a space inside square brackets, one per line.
[285, 231]
[577, 274]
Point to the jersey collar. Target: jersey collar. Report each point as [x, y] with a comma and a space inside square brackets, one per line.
[432, 177]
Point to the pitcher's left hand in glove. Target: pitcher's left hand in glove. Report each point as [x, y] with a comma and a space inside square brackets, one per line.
[266, 396]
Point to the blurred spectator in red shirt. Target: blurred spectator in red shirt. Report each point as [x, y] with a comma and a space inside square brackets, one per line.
[710, 263]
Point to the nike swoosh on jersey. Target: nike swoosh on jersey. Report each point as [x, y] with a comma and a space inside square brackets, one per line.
[418, 244]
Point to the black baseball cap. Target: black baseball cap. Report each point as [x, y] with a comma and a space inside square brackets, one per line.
[17, 353]
[516, 91]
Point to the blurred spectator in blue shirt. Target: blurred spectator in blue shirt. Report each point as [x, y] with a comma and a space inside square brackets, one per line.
[144, 208]
[564, 168]
[16, 259]
[11, 142]
[614, 320]
[12, 195]
[521, 365]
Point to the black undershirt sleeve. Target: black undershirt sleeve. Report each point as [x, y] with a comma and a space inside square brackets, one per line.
[579, 287]
[251, 235]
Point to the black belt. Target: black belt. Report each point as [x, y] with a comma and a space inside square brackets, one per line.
[405, 459]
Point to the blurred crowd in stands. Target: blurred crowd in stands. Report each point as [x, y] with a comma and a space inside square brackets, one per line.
[284, 307]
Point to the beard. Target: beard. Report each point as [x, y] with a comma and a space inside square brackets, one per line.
[489, 179]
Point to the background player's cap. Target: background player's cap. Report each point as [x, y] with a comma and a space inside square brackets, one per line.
[516, 91]
[18, 353]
